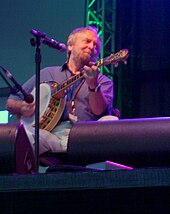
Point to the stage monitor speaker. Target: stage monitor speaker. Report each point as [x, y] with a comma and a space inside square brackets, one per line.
[16, 153]
[131, 142]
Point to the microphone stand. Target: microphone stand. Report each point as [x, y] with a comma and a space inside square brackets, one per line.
[40, 37]
[37, 43]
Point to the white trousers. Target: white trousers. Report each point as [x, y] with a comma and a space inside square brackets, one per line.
[57, 139]
[54, 141]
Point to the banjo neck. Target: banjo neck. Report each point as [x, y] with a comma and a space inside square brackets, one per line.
[66, 84]
[114, 59]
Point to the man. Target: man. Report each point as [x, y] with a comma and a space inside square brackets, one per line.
[89, 98]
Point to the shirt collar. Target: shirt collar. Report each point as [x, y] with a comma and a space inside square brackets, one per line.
[64, 67]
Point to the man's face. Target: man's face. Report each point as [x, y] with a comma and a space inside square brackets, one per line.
[85, 46]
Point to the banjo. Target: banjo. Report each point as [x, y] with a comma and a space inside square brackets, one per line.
[51, 108]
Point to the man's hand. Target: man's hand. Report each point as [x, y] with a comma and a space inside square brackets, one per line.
[20, 108]
[27, 109]
[91, 73]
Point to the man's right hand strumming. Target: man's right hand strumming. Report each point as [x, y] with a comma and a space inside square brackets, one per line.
[20, 108]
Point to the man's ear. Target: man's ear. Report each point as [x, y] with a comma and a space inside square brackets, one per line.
[70, 47]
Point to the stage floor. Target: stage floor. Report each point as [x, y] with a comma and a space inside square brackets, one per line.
[145, 190]
[145, 177]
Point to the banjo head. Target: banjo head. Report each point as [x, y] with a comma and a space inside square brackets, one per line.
[45, 97]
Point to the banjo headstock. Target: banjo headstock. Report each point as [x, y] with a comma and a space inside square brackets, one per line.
[114, 59]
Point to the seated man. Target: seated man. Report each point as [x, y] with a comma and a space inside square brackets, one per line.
[89, 98]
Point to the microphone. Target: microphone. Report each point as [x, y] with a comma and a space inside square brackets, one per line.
[48, 41]
[28, 98]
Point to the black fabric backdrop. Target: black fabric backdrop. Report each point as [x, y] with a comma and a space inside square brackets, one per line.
[143, 27]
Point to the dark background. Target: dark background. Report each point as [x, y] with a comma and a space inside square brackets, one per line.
[143, 27]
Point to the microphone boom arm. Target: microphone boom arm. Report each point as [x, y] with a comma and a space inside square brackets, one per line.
[27, 97]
